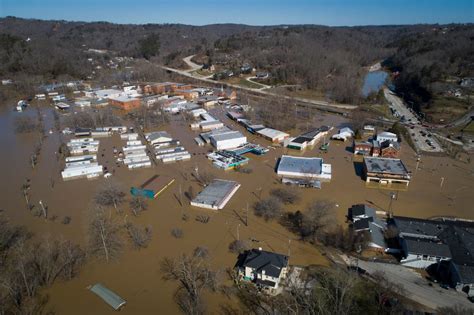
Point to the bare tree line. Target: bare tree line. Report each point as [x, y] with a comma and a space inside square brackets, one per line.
[27, 266]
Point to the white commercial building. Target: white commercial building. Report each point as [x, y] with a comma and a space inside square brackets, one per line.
[273, 135]
[216, 195]
[303, 167]
[228, 140]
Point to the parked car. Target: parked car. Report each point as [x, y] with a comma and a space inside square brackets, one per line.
[444, 286]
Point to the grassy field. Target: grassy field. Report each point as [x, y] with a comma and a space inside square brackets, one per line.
[303, 93]
[243, 82]
[445, 109]
[470, 128]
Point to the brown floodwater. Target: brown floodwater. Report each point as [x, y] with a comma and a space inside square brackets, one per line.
[135, 274]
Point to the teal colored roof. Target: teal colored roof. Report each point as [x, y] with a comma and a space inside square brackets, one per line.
[108, 296]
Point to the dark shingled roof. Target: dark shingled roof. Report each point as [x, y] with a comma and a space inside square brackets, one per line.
[266, 283]
[361, 209]
[261, 260]
[466, 273]
[313, 133]
[418, 246]
[362, 224]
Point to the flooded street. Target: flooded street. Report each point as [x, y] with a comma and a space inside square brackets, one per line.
[135, 275]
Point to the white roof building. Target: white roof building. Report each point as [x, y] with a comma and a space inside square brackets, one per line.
[344, 134]
[387, 136]
[158, 137]
[303, 167]
[107, 93]
[228, 140]
[273, 135]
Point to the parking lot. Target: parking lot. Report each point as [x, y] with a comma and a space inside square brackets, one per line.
[423, 139]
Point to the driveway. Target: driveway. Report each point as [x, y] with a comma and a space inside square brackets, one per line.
[190, 64]
[416, 287]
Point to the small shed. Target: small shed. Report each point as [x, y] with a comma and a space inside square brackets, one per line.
[109, 297]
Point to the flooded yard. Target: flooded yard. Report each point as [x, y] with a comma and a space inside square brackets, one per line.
[135, 275]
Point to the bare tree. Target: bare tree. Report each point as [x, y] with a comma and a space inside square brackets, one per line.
[286, 195]
[318, 218]
[138, 204]
[177, 233]
[239, 246]
[104, 235]
[201, 252]
[110, 195]
[140, 237]
[269, 208]
[193, 276]
[205, 178]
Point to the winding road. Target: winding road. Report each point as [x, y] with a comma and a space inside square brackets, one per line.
[323, 105]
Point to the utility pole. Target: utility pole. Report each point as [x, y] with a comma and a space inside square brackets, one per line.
[418, 159]
[45, 213]
[247, 215]
[392, 197]
[289, 248]
[238, 234]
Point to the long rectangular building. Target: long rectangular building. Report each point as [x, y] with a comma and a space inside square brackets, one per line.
[303, 167]
[385, 171]
[216, 195]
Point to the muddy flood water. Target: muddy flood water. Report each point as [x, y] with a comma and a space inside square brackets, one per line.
[135, 275]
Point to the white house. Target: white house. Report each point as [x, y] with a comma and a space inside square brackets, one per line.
[344, 134]
[387, 136]
[265, 269]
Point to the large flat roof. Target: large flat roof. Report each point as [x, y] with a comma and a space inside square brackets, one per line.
[296, 164]
[123, 98]
[385, 165]
[272, 133]
[228, 136]
[216, 194]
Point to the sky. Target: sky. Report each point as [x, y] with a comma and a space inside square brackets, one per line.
[252, 12]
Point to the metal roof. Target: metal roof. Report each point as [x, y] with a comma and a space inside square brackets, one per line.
[109, 297]
[300, 164]
[228, 136]
[216, 192]
[272, 133]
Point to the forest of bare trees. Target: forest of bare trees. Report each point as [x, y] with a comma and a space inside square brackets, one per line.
[330, 60]
[29, 264]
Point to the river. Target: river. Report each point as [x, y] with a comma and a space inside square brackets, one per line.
[373, 82]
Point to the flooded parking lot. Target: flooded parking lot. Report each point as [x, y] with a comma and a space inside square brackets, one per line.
[439, 187]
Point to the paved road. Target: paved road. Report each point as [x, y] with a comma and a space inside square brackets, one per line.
[192, 65]
[416, 287]
[263, 86]
[323, 105]
[420, 135]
